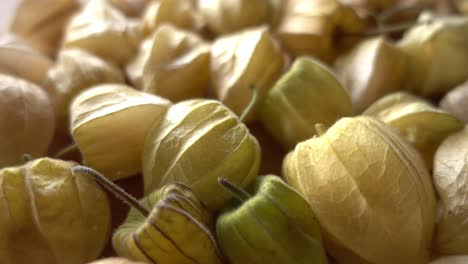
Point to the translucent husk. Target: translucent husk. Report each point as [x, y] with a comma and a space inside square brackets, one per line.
[177, 230]
[274, 225]
[369, 190]
[451, 181]
[422, 124]
[242, 61]
[198, 141]
[173, 63]
[371, 70]
[27, 120]
[308, 27]
[451, 260]
[75, 71]
[51, 216]
[306, 95]
[437, 51]
[180, 13]
[42, 23]
[104, 31]
[456, 102]
[109, 123]
[15, 54]
[115, 260]
[131, 8]
[228, 16]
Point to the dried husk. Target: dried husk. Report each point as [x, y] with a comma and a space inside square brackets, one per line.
[103, 30]
[307, 94]
[422, 124]
[115, 261]
[131, 8]
[75, 71]
[15, 54]
[180, 13]
[451, 260]
[109, 123]
[198, 141]
[369, 190]
[451, 182]
[51, 216]
[173, 63]
[309, 27]
[176, 231]
[275, 225]
[438, 51]
[228, 16]
[242, 61]
[42, 23]
[27, 120]
[456, 102]
[371, 70]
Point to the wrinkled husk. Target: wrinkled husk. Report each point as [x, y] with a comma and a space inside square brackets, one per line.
[242, 61]
[51, 216]
[176, 231]
[104, 31]
[197, 142]
[422, 124]
[369, 190]
[451, 181]
[173, 63]
[115, 261]
[109, 123]
[42, 23]
[15, 54]
[451, 260]
[438, 52]
[27, 120]
[456, 102]
[371, 70]
[227, 16]
[131, 8]
[306, 95]
[309, 27]
[180, 13]
[75, 71]
[276, 225]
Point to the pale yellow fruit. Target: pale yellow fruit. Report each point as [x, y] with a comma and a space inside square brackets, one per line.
[369, 190]
[27, 120]
[50, 215]
[173, 63]
[109, 124]
[240, 62]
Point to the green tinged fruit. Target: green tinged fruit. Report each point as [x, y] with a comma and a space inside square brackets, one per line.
[307, 94]
[274, 225]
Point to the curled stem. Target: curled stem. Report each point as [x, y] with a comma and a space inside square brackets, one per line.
[66, 150]
[251, 105]
[234, 190]
[114, 188]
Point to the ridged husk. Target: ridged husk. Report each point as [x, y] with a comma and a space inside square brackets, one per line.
[15, 54]
[451, 181]
[180, 13]
[422, 124]
[173, 63]
[456, 102]
[276, 225]
[75, 71]
[42, 23]
[369, 190]
[109, 123]
[197, 142]
[371, 70]
[104, 31]
[308, 27]
[307, 94]
[27, 120]
[242, 61]
[51, 216]
[177, 231]
[438, 50]
[228, 16]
